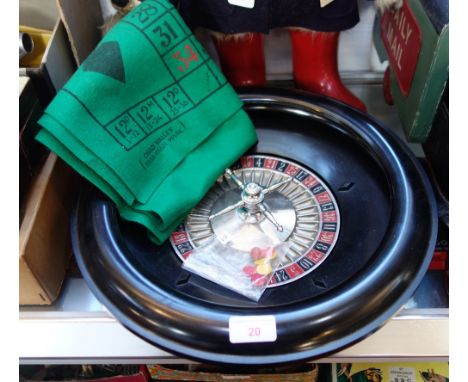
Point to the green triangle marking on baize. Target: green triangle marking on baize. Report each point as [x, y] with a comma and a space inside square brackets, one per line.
[106, 59]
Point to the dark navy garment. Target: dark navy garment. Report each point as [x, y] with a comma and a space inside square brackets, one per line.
[220, 16]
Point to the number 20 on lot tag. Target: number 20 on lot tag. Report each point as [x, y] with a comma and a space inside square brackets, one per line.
[245, 329]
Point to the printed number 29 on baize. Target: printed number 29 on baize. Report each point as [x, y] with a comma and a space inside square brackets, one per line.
[245, 329]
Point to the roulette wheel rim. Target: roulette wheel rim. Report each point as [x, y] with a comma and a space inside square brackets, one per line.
[307, 327]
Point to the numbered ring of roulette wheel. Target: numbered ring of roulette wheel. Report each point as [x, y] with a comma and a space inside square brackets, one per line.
[346, 194]
[291, 205]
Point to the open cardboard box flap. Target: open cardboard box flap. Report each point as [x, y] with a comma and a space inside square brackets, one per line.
[44, 237]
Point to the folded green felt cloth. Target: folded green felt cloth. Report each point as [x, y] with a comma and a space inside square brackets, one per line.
[149, 119]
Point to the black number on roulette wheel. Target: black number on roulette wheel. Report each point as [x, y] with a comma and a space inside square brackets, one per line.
[353, 204]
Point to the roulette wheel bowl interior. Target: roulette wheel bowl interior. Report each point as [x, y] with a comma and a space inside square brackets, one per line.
[383, 230]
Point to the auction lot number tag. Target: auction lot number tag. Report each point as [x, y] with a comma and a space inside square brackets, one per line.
[243, 3]
[245, 329]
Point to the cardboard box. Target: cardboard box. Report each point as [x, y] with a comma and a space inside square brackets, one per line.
[391, 372]
[56, 67]
[83, 20]
[31, 153]
[44, 235]
[416, 40]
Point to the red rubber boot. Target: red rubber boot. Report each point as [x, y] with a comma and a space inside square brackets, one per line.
[315, 65]
[242, 59]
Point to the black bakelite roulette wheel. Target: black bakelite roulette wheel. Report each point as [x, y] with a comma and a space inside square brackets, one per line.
[346, 195]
